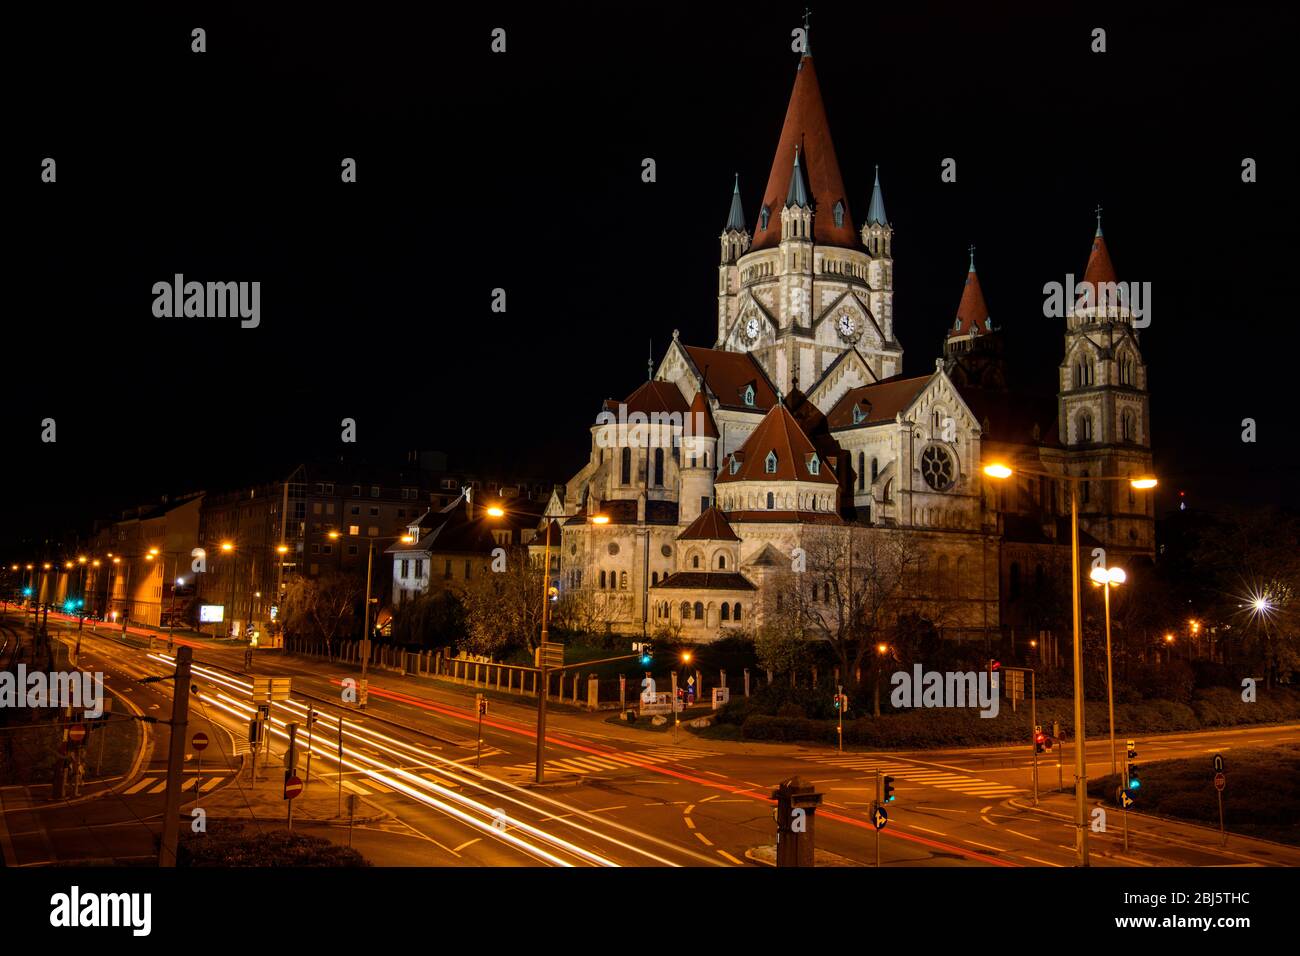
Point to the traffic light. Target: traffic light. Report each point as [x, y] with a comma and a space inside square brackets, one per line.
[1132, 749]
[1133, 782]
[888, 791]
[841, 702]
[647, 654]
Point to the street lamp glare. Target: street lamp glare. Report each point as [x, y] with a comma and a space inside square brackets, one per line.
[407, 539]
[1099, 576]
[227, 546]
[496, 511]
[1117, 576]
[998, 470]
[1144, 482]
[283, 549]
[600, 519]
[81, 559]
[882, 648]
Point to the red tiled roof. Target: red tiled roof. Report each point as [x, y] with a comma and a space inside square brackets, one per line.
[778, 432]
[727, 374]
[786, 517]
[971, 312]
[806, 127]
[1100, 268]
[701, 420]
[880, 402]
[652, 396]
[711, 525]
[706, 581]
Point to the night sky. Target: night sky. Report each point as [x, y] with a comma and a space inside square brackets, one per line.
[522, 171]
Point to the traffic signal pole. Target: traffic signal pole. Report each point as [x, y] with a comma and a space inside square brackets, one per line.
[176, 757]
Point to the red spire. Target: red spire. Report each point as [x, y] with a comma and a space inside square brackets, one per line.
[806, 127]
[1100, 270]
[972, 313]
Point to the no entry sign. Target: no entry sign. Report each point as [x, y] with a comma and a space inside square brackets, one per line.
[292, 787]
[199, 741]
[76, 733]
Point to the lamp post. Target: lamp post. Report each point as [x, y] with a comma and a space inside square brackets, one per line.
[1107, 578]
[365, 614]
[1002, 471]
[228, 547]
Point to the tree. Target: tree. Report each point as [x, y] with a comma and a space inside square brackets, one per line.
[854, 587]
[503, 608]
[430, 619]
[323, 608]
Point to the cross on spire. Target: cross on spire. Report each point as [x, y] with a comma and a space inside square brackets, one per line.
[1098, 211]
[807, 32]
[971, 250]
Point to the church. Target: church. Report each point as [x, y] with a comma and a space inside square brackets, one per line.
[797, 420]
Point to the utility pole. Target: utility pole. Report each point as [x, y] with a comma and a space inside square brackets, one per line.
[176, 756]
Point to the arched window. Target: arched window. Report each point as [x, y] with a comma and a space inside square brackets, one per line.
[654, 577]
[602, 579]
[1126, 367]
[1014, 584]
[814, 466]
[695, 560]
[1083, 374]
[626, 469]
[838, 213]
[889, 490]
[736, 613]
[875, 469]
[749, 395]
[686, 611]
[769, 464]
[722, 561]
[699, 611]
[1083, 426]
[659, 468]
[1129, 425]
[771, 501]
[726, 612]
[862, 471]
[764, 215]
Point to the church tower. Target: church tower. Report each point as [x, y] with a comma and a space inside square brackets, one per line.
[811, 286]
[1104, 416]
[972, 349]
[735, 243]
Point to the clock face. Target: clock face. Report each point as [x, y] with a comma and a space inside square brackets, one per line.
[751, 328]
[847, 326]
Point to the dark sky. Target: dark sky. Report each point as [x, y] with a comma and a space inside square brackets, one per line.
[522, 171]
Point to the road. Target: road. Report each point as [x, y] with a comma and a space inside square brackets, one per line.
[626, 796]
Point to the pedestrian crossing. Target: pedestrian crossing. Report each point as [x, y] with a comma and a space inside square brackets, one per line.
[943, 779]
[154, 783]
[600, 763]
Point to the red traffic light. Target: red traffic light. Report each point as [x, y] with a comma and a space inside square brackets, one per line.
[994, 665]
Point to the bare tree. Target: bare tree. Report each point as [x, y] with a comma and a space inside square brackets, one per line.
[503, 607]
[323, 608]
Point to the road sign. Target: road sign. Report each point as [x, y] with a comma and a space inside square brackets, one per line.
[1220, 781]
[292, 786]
[267, 689]
[1218, 764]
[199, 741]
[76, 733]
[1126, 799]
[879, 817]
[550, 654]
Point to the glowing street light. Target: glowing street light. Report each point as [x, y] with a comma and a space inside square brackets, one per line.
[496, 511]
[1001, 471]
[1107, 578]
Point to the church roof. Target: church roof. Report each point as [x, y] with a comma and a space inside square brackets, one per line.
[777, 433]
[701, 422]
[736, 217]
[652, 396]
[972, 313]
[797, 194]
[727, 375]
[1100, 268]
[706, 581]
[786, 517]
[880, 402]
[806, 127]
[711, 525]
[877, 211]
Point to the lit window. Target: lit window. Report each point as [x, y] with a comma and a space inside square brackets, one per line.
[769, 465]
[814, 466]
[749, 395]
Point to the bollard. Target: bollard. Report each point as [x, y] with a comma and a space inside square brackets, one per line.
[796, 813]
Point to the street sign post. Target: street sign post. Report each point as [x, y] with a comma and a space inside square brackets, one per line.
[1220, 781]
[480, 705]
[1218, 763]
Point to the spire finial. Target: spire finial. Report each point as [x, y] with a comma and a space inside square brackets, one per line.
[971, 249]
[1098, 211]
[650, 362]
[807, 32]
[876, 212]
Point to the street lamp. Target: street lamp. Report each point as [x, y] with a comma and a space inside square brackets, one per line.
[365, 627]
[1106, 578]
[1002, 471]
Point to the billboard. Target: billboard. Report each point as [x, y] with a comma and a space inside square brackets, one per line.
[212, 613]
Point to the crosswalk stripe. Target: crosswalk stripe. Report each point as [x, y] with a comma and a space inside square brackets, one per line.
[356, 789]
[189, 783]
[137, 787]
[160, 788]
[209, 784]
